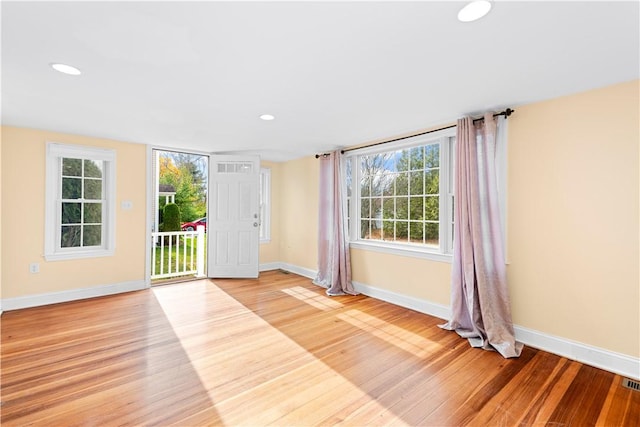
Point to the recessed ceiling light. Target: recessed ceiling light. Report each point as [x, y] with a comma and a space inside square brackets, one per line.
[66, 69]
[267, 117]
[474, 10]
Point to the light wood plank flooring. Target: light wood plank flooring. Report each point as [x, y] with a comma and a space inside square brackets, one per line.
[277, 351]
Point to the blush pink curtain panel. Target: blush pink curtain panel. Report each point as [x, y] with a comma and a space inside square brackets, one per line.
[480, 306]
[334, 264]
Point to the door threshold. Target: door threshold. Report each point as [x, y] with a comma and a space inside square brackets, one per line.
[175, 280]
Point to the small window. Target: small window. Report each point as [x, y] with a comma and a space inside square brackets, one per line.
[80, 202]
[265, 205]
[235, 167]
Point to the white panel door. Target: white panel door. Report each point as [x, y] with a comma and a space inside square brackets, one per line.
[233, 227]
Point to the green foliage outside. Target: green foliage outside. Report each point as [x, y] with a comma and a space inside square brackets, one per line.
[81, 221]
[400, 195]
[171, 218]
[187, 174]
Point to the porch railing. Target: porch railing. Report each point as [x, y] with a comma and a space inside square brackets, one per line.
[177, 253]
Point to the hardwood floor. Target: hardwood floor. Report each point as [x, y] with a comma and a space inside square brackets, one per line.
[277, 351]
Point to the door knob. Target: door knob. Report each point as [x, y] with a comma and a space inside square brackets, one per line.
[255, 224]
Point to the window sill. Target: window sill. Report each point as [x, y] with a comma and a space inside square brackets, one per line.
[62, 256]
[402, 250]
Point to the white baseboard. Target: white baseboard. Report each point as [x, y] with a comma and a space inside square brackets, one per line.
[71, 295]
[268, 266]
[420, 305]
[621, 364]
[302, 271]
[27, 301]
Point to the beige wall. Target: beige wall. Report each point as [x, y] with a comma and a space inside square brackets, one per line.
[573, 218]
[418, 278]
[270, 252]
[299, 189]
[23, 197]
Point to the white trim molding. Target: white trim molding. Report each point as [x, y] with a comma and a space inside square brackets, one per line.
[589, 355]
[151, 213]
[302, 271]
[412, 303]
[400, 250]
[71, 295]
[268, 266]
[27, 301]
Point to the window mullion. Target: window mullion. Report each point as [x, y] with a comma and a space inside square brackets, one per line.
[445, 199]
[58, 211]
[82, 203]
[442, 199]
[424, 198]
[355, 197]
[82, 221]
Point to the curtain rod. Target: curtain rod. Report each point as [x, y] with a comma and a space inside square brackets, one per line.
[505, 113]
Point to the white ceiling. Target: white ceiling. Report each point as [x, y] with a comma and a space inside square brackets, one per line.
[198, 75]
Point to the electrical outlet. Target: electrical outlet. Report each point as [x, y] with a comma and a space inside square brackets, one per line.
[34, 267]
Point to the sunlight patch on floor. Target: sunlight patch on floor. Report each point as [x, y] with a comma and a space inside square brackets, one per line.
[395, 335]
[318, 301]
[282, 375]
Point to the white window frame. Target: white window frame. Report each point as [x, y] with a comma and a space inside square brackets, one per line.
[265, 205]
[52, 248]
[446, 139]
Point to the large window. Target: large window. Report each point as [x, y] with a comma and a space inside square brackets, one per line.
[80, 202]
[404, 200]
